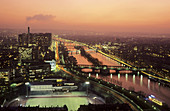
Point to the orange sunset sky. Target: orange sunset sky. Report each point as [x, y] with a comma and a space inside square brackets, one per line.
[91, 15]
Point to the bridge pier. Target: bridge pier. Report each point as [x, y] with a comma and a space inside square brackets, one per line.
[134, 72]
[105, 70]
[93, 70]
[117, 71]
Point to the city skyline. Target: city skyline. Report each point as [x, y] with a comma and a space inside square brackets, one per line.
[73, 70]
[92, 15]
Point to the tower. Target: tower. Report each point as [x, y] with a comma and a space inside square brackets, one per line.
[28, 35]
[28, 30]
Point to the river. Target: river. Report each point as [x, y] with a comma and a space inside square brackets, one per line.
[128, 80]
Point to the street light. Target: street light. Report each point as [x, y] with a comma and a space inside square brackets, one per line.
[87, 83]
[27, 84]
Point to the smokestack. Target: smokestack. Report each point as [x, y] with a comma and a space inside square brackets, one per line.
[28, 30]
[28, 36]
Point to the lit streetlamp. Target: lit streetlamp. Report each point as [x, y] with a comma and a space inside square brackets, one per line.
[27, 84]
[87, 83]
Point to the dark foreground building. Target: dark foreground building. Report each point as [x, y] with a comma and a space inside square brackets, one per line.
[90, 107]
[105, 107]
[37, 108]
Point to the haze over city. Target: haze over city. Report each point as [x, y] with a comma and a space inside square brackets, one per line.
[91, 15]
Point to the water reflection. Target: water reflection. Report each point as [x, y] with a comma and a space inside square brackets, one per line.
[89, 74]
[149, 84]
[133, 78]
[126, 77]
[119, 76]
[111, 76]
[141, 80]
[159, 87]
[97, 75]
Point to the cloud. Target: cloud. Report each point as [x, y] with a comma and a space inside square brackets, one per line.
[41, 17]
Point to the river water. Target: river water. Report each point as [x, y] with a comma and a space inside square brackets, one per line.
[128, 80]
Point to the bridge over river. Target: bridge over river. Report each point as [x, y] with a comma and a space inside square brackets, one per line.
[105, 69]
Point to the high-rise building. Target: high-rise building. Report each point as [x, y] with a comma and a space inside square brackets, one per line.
[35, 39]
[34, 48]
[34, 45]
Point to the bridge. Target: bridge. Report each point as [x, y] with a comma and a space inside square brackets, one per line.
[78, 51]
[105, 69]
